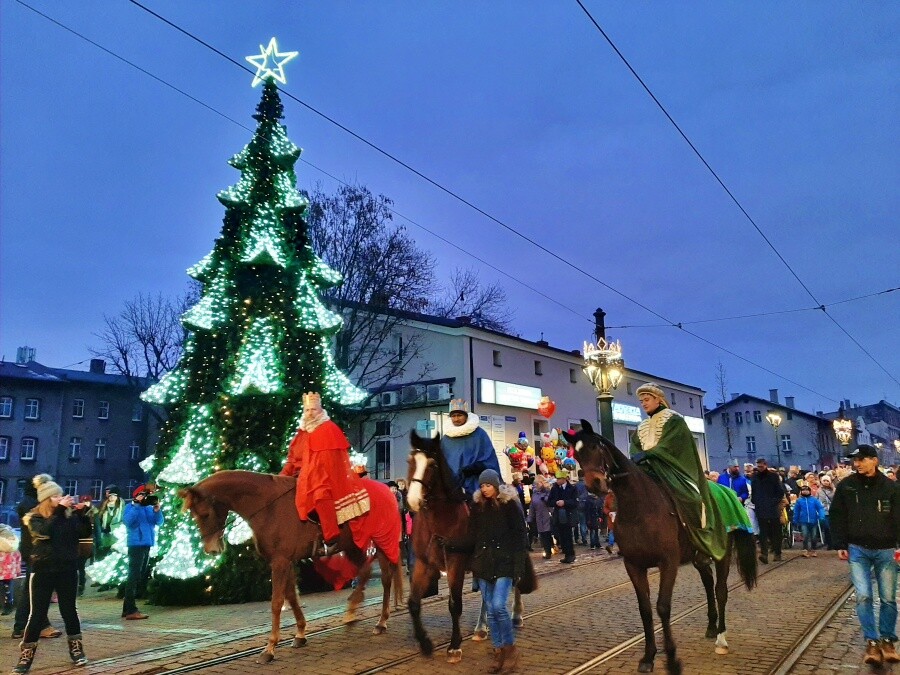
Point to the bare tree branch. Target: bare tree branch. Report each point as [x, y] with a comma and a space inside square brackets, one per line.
[722, 387]
[485, 306]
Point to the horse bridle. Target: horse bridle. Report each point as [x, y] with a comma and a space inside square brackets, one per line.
[610, 477]
[221, 531]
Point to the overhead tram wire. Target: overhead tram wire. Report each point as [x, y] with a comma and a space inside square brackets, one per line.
[728, 191]
[240, 124]
[446, 190]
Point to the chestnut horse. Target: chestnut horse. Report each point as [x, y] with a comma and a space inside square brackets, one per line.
[650, 534]
[440, 540]
[266, 502]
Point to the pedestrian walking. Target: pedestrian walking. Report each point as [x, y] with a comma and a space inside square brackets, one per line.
[540, 515]
[498, 561]
[10, 565]
[564, 500]
[808, 512]
[865, 528]
[769, 501]
[55, 525]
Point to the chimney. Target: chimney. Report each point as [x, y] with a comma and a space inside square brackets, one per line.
[773, 395]
[98, 366]
[847, 404]
[24, 355]
[820, 413]
[789, 401]
[734, 396]
[599, 324]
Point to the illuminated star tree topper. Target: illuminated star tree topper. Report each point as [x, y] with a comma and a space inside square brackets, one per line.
[270, 63]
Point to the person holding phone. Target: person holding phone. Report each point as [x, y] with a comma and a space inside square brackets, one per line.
[55, 525]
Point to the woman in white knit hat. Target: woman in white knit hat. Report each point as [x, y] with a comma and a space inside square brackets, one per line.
[55, 524]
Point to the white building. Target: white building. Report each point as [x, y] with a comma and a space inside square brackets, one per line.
[503, 378]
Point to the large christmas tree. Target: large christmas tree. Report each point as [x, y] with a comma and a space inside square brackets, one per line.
[258, 338]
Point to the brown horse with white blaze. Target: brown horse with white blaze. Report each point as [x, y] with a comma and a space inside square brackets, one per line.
[266, 503]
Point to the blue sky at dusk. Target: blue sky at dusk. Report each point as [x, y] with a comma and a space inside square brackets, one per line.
[109, 177]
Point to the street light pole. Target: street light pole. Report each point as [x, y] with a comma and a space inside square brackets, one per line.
[774, 419]
[604, 366]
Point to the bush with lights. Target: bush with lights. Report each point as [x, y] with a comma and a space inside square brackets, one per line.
[257, 339]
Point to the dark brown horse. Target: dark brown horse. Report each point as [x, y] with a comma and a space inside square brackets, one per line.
[266, 502]
[440, 540]
[650, 534]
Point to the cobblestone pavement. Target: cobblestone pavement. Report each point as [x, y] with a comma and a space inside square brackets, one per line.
[562, 629]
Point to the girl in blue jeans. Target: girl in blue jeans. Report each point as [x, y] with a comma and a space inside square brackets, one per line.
[498, 525]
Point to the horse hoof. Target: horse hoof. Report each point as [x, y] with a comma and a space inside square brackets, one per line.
[674, 667]
[644, 667]
[379, 630]
[426, 647]
[711, 633]
[298, 642]
[454, 655]
[265, 657]
[518, 622]
[721, 650]
[350, 618]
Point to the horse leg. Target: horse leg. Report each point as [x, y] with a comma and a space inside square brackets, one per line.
[359, 593]
[387, 579]
[456, 576]
[518, 609]
[722, 569]
[668, 570]
[712, 616]
[638, 576]
[422, 578]
[290, 592]
[279, 576]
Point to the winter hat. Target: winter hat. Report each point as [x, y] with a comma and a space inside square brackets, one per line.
[654, 390]
[140, 489]
[114, 489]
[489, 477]
[562, 473]
[732, 463]
[46, 488]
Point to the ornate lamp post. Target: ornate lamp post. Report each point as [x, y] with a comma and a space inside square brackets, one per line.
[843, 429]
[774, 419]
[604, 366]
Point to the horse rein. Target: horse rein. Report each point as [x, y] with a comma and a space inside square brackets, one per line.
[221, 530]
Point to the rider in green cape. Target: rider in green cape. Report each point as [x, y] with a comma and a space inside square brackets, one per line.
[664, 447]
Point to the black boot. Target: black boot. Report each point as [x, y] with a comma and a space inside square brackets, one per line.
[26, 659]
[76, 650]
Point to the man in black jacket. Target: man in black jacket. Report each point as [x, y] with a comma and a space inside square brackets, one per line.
[865, 528]
[563, 498]
[767, 495]
[23, 603]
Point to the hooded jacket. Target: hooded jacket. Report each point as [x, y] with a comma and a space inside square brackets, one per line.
[54, 540]
[865, 511]
[808, 511]
[499, 534]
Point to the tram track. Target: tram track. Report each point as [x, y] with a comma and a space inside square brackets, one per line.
[175, 650]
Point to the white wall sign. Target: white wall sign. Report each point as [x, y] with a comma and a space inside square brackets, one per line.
[498, 430]
[507, 393]
[695, 424]
[629, 414]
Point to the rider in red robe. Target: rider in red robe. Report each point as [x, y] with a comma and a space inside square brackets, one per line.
[326, 484]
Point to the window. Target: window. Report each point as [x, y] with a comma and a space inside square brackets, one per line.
[137, 412]
[725, 419]
[672, 396]
[20, 489]
[691, 401]
[72, 487]
[32, 408]
[134, 451]
[383, 428]
[4, 451]
[97, 489]
[74, 449]
[738, 418]
[757, 416]
[398, 347]
[751, 445]
[497, 358]
[100, 449]
[383, 459]
[103, 414]
[786, 443]
[747, 417]
[6, 406]
[78, 408]
[538, 368]
[132, 486]
[628, 388]
[2, 490]
[573, 377]
[790, 415]
[29, 446]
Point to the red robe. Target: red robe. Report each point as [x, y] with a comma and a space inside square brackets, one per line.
[326, 481]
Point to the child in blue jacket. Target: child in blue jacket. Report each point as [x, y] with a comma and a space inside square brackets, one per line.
[808, 511]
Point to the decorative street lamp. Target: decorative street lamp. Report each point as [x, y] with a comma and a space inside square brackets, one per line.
[774, 419]
[604, 366]
[843, 429]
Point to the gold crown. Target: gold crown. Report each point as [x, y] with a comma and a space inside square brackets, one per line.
[459, 405]
[312, 399]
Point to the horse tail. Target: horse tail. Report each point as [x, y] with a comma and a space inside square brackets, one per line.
[745, 543]
[397, 572]
[527, 581]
